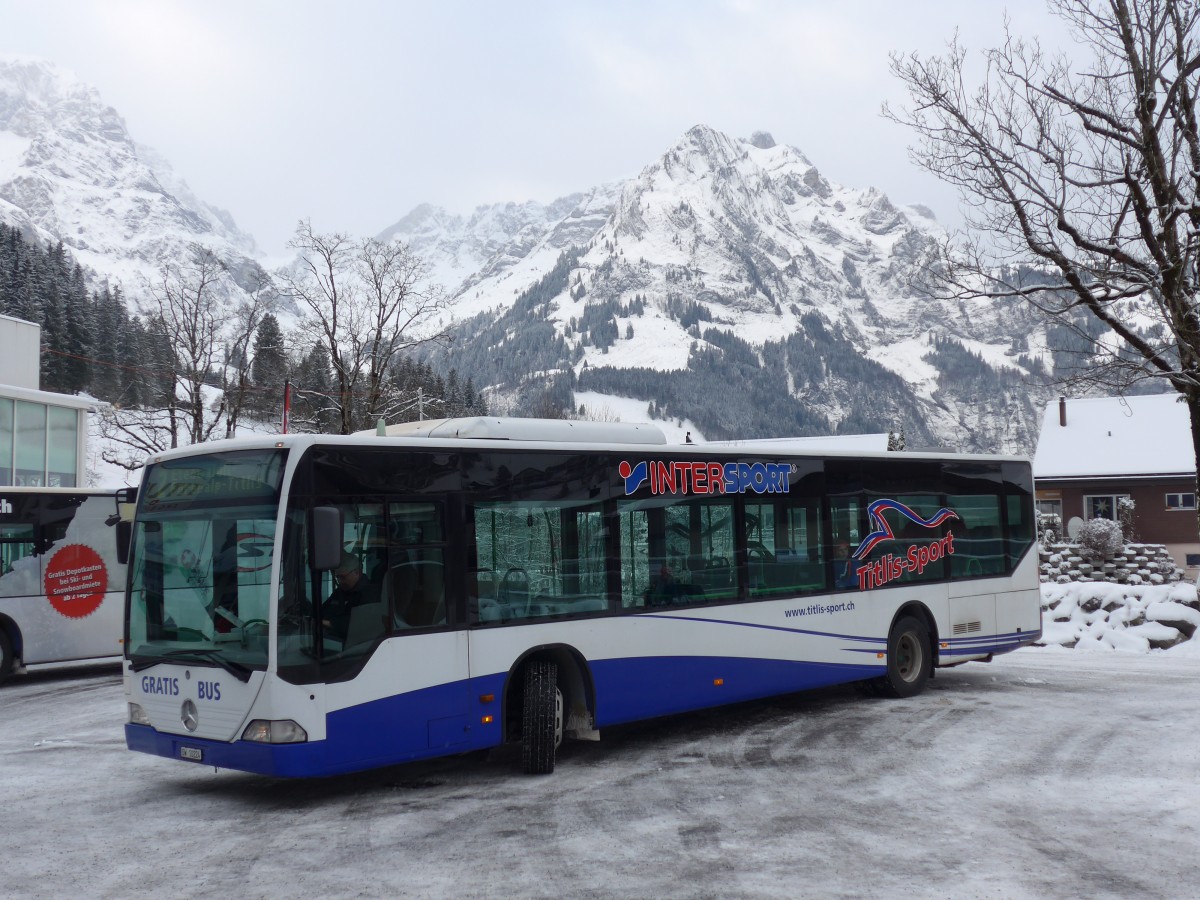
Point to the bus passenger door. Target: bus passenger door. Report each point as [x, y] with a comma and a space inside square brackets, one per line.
[449, 723]
[419, 586]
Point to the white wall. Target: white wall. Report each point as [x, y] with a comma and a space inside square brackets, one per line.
[19, 359]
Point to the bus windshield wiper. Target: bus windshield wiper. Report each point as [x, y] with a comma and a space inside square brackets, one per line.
[196, 654]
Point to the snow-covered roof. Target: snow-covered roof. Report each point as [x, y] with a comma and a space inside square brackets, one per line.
[1115, 436]
[72, 401]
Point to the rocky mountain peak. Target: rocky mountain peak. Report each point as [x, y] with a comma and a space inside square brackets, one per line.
[70, 171]
[762, 140]
[734, 269]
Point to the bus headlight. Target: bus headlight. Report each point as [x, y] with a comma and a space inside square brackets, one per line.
[282, 731]
[137, 715]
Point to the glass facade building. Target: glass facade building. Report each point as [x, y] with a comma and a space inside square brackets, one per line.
[41, 439]
[42, 435]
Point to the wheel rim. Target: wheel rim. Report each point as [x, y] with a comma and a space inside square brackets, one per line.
[908, 657]
[558, 718]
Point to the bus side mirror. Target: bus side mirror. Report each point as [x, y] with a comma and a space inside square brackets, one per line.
[325, 538]
[126, 504]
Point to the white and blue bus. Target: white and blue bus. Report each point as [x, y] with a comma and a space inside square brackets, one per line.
[62, 585]
[530, 580]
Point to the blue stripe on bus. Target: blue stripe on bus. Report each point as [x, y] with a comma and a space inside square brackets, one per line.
[990, 643]
[844, 637]
[645, 687]
[1010, 635]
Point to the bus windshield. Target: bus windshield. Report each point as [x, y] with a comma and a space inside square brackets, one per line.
[201, 560]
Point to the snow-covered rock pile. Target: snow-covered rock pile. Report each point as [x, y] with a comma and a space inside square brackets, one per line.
[1100, 616]
[1133, 565]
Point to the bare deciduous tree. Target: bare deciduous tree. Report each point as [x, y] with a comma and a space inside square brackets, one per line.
[1086, 169]
[235, 372]
[208, 334]
[367, 302]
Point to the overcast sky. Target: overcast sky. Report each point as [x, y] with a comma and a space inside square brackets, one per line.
[353, 113]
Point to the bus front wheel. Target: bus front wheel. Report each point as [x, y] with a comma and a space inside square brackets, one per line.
[541, 719]
[909, 658]
[6, 654]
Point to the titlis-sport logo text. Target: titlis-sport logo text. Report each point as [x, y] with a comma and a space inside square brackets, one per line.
[889, 567]
[700, 477]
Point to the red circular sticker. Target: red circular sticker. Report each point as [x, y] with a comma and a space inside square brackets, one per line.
[76, 580]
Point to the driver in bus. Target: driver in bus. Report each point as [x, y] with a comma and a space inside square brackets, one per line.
[353, 589]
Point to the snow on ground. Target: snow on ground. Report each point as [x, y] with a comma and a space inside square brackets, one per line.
[1101, 616]
[1048, 773]
[907, 359]
[658, 342]
[610, 408]
[995, 355]
[12, 150]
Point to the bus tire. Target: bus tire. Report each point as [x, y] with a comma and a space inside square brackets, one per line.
[541, 719]
[6, 655]
[909, 659]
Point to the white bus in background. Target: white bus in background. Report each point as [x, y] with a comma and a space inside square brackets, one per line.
[62, 585]
[528, 580]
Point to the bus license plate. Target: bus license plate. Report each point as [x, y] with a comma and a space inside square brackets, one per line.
[194, 753]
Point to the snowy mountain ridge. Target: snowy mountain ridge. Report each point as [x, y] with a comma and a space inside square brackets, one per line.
[744, 238]
[729, 287]
[71, 172]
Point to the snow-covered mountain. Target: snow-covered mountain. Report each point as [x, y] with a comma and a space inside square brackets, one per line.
[71, 172]
[502, 248]
[729, 286]
[733, 285]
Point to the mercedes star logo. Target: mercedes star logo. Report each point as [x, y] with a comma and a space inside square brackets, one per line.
[189, 715]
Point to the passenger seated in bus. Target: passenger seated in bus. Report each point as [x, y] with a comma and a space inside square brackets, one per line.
[666, 589]
[845, 572]
[662, 589]
[353, 589]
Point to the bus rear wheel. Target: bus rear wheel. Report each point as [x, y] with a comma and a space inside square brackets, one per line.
[541, 719]
[909, 659]
[6, 655]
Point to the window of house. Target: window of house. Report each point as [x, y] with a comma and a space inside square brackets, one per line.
[62, 446]
[1181, 500]
[1050, 508]
[6, 441]
[31, 444]
[1101, 506]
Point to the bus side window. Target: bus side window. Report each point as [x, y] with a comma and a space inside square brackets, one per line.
[415, 582]
[677, 552]
[16, 544]
[537, 559]
[978, 547]
[784, 550]
[641, 553]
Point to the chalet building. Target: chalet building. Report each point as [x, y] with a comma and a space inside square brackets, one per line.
[1092, 452]
[42, 435]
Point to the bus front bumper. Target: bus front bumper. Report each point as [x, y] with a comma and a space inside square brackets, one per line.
[284, 760]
